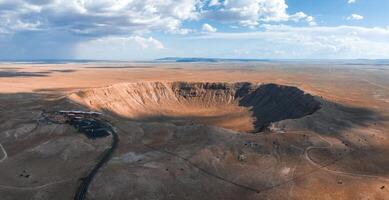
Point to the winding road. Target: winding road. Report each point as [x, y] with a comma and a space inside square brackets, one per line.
[106, 156]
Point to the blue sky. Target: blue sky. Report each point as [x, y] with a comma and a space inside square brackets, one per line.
[149, 29]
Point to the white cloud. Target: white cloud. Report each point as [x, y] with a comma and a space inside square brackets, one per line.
[351, 1]
[146, 42]
[214, 3]
[311, 21]
[251, 12]
[355, 17]
[113, 17]
[309, 42]
[208, 28]
[120, 48]
[100, 17]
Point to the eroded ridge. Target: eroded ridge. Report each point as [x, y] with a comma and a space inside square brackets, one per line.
[239, 106]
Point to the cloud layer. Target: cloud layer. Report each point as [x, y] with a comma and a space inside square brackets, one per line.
[251, 12]
[121, 29]
[96, 17]
[109, 17]
[280, 41]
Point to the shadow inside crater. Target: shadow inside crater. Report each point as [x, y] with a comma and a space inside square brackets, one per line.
[271, 103]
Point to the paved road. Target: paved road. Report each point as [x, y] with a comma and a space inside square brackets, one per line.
[86, 181]
[91, 126]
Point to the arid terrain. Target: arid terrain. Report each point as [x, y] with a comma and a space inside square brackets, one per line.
[257, 130]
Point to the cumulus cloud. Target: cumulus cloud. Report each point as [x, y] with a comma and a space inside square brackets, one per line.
[214, 3]
[251, 12]
[311, 21]
[208, 28]
[146, 42]
[97, 17]
[355, 17]
[351, 1]
[112, 17]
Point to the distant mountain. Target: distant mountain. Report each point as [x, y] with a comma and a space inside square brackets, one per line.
[180, 59]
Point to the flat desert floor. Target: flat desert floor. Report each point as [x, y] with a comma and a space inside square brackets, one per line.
[197, 131]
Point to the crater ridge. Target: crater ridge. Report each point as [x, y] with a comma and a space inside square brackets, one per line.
[241, 106]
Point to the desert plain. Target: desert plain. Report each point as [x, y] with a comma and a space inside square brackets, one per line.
[261, 130]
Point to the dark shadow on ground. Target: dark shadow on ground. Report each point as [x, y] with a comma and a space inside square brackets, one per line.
[10, 68]
[120, 67]
[63, 70]
[333, 119]
[12, 73]
[59, 90]
[15, 72]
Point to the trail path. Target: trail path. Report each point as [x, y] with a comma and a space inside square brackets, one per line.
[4, 153]
[36, 187]
[325, 167]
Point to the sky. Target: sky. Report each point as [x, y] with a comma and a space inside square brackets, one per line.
[150, 29]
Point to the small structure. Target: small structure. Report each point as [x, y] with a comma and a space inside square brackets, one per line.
[85, 122]
[241, 157]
